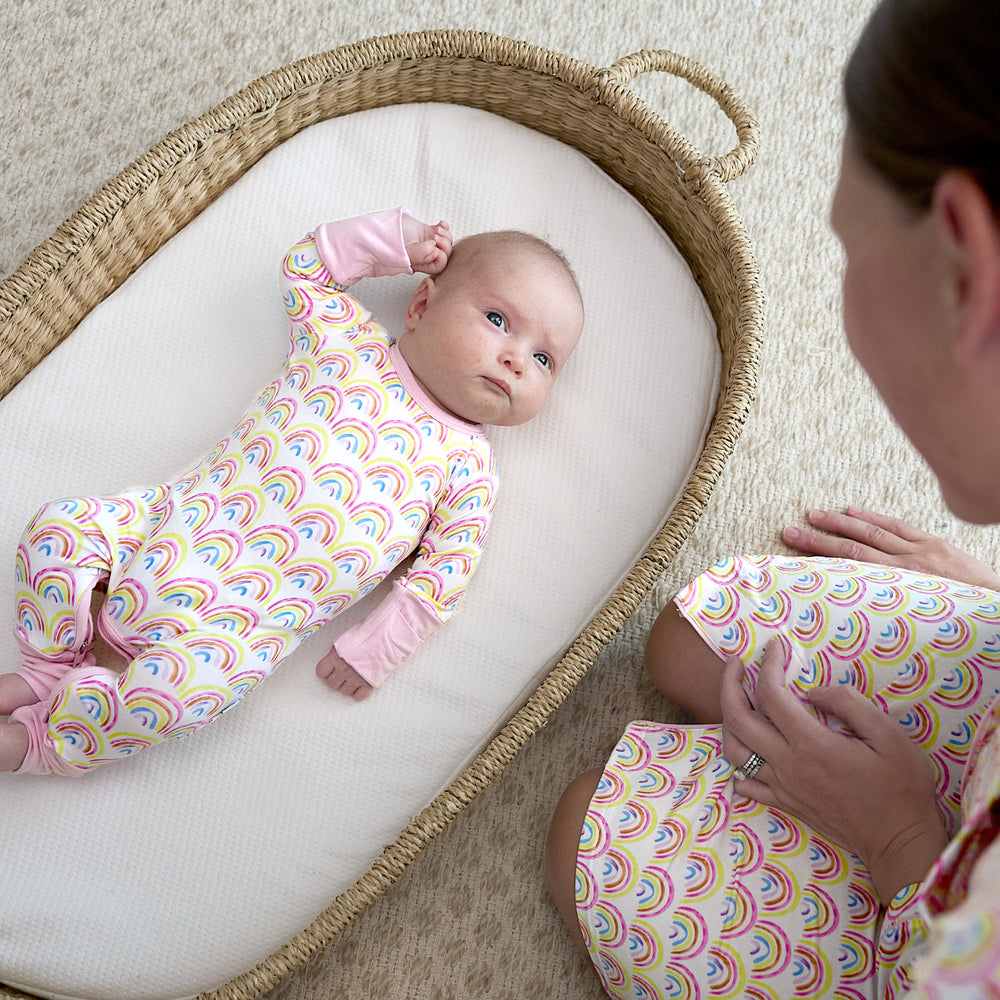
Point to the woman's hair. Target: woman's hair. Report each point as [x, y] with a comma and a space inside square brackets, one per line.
[922, 90]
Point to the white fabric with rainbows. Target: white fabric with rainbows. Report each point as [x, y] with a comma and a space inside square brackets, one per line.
[340, 469]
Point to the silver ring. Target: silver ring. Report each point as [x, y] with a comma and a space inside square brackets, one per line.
[750, 768]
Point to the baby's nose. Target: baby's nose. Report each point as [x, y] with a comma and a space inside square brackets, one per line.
[514, 360]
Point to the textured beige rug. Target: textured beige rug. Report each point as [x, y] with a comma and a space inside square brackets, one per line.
[87, 87]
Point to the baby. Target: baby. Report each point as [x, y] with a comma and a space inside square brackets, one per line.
[361, 451]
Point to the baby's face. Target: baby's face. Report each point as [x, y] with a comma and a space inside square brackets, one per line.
[487, 343]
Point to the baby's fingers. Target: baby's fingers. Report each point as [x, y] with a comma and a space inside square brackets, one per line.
[356, 688]
[425, 256]
[443, 237]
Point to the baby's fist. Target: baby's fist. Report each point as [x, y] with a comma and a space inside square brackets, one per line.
[341, 676]
[427, 247]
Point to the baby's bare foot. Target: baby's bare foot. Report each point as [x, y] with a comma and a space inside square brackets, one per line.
[15, 692]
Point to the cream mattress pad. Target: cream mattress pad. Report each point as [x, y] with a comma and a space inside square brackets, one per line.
[173, 872]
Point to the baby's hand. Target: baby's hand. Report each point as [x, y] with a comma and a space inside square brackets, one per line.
[341, 676]
[428, 247]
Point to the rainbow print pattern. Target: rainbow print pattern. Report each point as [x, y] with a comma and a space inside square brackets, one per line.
[333, 476]
[686, 889]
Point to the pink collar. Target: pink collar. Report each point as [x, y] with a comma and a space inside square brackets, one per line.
[416, 390]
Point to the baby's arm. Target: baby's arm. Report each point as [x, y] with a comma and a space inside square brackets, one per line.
[425, 596]
[381, 243]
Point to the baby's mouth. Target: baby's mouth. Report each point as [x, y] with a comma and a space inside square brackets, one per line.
[499, 383]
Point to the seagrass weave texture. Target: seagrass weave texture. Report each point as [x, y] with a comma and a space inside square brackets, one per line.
[592, 109]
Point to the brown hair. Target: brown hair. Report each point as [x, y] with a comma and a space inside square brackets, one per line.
[923, 94]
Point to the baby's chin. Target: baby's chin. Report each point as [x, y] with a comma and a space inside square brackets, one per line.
[508, 421]
[506, 416]
[480, 413]
[498, 412]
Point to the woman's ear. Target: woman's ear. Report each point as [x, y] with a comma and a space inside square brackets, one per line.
[971, 231]
[419, 303]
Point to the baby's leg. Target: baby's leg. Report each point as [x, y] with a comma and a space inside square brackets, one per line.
[168, 691]
[15, 692]
[13, 745]
[62, 555]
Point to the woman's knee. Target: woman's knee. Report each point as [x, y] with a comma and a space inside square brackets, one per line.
[567, 822]
[682, 666]
[562, 844]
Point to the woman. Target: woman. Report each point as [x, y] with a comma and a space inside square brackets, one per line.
[830, 827]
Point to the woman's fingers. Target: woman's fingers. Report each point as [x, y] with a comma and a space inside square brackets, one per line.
[787, 715]
[866, 720]
[784, 727]
[745, 731]
[865, 536]
[893, 526]
[859, 535]
[736, 712]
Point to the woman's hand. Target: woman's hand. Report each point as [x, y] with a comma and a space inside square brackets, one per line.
[864, 536]
[871, 793]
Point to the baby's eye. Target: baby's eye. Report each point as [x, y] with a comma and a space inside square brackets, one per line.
[543, 359]
[496, 319]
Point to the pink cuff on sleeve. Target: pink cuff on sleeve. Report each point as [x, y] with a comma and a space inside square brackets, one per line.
[41, 757]
[366, 246]
[380, 643]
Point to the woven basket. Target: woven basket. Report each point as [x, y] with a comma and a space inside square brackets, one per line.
[592, 109]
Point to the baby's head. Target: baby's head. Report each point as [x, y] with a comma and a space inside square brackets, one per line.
[487, 337]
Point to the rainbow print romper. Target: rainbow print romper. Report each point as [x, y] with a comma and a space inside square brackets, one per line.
[687, 889]
[340, 469]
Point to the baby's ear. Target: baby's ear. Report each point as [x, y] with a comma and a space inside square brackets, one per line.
[419, 303]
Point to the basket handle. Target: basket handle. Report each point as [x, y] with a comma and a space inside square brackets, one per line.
[691, 159]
